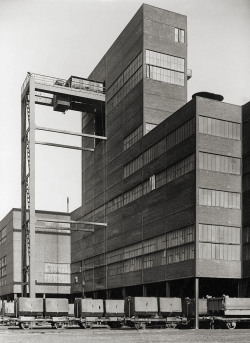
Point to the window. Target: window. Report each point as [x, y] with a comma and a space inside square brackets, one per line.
[3, 266]
[220, 128]
[219, 163]
[163, 67]
[3, 235]
[179, 35]
[211, 197]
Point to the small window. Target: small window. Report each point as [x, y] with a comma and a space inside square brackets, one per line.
[179, 35]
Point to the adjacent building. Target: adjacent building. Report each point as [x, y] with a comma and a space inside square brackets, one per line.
[53, 255]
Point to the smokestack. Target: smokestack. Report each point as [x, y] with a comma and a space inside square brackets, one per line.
[67, 204]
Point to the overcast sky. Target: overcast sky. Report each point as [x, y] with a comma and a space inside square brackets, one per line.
[68, 37]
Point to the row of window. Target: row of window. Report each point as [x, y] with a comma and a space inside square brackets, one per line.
[165, 61]
[220, 128]
[211, 197]
[124, 77]
[219, 234]
[166, 68]
[172, 139]
[127, 87]
[133, 137]
[165, 75]
[219, 163]
[159, 258]
[180, 237]
[3, 235]
[181, 253]
[173, 172]
[213, 251]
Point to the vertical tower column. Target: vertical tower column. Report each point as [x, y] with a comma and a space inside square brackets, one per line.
[23, 195]
[32, 216]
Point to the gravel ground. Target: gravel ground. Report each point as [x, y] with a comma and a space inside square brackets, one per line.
[14, 335]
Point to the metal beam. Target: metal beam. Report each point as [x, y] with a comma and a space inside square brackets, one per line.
[69, 132]
[32, 216]
[50, 220]
[64, 228]
[63, 146]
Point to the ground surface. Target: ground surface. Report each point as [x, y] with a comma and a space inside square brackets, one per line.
[75, 335]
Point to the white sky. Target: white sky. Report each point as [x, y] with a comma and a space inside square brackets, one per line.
[68, 37]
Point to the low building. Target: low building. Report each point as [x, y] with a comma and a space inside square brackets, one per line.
[53, 255]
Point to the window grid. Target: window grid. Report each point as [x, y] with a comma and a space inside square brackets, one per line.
[165, 75]
[180, 253]
[125, 82]
[132, 138]
[180, 236]
[219, 234]
[211, 197]
[217, 251]
[174, 138]
[220, 128]
[219, 163]
[161, 60]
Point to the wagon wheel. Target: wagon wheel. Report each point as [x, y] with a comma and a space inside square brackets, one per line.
[231, 325]
[82, 325]
[137, 326]
[25, 325]
[58, 325]
[168, 325]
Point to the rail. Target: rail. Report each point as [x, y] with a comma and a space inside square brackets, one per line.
[73, 82]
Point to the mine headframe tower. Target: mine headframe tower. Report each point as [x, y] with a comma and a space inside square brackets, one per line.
[73, 94]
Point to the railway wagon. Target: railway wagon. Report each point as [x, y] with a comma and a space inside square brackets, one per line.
[219, 312]
[162, 312]
[229, 312]
[34, 311]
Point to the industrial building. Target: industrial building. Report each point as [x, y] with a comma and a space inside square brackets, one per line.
[53, 256]
[165, 182]
[168, 180]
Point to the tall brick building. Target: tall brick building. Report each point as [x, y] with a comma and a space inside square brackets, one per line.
[168, 180]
